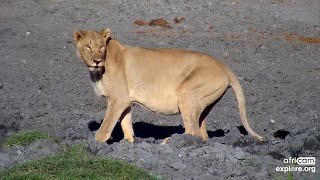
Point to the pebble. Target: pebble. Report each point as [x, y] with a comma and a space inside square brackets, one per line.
[177, 165]
[23, 61]
[263, 47]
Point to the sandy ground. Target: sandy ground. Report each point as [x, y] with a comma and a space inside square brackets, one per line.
[272, 45]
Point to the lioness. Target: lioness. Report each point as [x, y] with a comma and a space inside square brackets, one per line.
[167, 81]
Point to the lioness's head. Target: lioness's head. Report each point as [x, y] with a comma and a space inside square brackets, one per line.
[91, 46]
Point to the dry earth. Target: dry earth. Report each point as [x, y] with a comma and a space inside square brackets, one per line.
[272, 45]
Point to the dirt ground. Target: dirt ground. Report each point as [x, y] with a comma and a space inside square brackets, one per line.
[272, 46]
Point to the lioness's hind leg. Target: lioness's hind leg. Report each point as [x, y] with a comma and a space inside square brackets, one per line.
[203, 130]
[202, 122]
[190, 116]
[191, 119]
[195, 94]
[126, 125]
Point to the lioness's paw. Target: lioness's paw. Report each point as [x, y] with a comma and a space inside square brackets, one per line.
[262, 139]
[130, 139]
[165, 140]
[102, 137]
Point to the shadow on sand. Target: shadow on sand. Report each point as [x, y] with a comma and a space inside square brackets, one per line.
[145, 130]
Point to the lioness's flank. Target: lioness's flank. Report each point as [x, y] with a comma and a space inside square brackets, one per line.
[166, 81]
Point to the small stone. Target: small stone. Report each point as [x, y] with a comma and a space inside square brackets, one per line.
[23, 61]
[211, 170]
[263, 47]
[275, 141]
[19, 152]
[272, 121]
[239, 154]
[10, 133]
[177, 165]
[27, 33]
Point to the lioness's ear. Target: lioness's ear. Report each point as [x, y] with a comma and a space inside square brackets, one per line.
[105, 32]
[77, 35]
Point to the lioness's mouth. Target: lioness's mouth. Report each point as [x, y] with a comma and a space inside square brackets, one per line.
[96, 72]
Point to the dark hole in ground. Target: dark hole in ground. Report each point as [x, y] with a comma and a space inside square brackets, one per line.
[281, 134]
[242, 130]
[217, 133]
[145, 130]
[276, 155]
[5, 129]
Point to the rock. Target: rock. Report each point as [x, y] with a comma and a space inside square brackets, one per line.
[23, 61]
[211, 170]
[177, 165]
[263, 47]
[311, 143]
[239, 154]
[183, 140]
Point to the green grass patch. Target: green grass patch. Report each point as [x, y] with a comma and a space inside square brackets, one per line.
[289, 176]
[75, 163]
[25, 138]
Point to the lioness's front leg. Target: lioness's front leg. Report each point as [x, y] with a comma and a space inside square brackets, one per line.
[126, 125]
[114, 111]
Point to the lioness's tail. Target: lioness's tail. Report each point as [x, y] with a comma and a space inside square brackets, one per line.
[235, 84]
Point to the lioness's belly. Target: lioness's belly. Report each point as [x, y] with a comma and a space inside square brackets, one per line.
[153, 76]
[159, 102]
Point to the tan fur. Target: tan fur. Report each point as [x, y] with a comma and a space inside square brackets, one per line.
[166, 81]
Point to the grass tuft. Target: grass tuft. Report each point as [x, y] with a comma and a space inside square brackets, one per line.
[24, 138]
[75, 163]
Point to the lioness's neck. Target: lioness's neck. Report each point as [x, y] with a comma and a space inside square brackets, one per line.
[114, 54]
[114, 46]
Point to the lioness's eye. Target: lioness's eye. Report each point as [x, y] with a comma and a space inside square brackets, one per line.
[88, 47]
